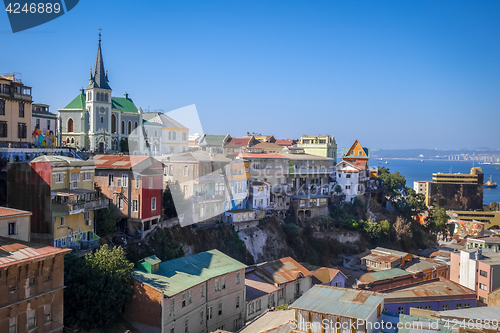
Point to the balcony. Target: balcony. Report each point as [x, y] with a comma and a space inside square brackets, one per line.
[310, 170]
[203, 197]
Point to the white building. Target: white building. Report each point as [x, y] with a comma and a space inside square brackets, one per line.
[173, 136]
[420, 186]
[353, 177]
[260, 195]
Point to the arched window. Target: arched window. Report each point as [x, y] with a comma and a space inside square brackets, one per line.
[98, 97]
[67, 140]
[129, 127]
[106, 97]
[90, 95]
[123, 127]
[72, 140]
[113, 124]
[70, 125]
[135, 125]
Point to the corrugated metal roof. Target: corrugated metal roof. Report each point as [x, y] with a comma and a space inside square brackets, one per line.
[256, 289]
[326, 275]
[357, 304]
[421, 265]
[13, 251]
[482, 313]
[175, 276]
[281, 270]
[441, 288]
[389, 251]
[117, 161]
[383, 275]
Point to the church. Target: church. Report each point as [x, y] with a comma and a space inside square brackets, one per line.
[99, 122]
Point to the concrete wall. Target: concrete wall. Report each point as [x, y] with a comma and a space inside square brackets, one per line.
[23, 224]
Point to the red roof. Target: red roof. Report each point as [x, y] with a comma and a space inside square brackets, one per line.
[4, 212]
[239, 142]
[13, 251]
[117, 161]
[268, 145]
[261, 155]
[284, 142]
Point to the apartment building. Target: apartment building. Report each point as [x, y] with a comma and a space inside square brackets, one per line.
[457, 191]
[267, 167]
[133, 184]
[238, 175]
[260, 195]
[241, 218]
[382, 258]
[15, 223]
[200, 293]
[173, 136]
[60, 193]
[31, 288]
[477, 269]
[421, 186]
[15, 112]
[490, 219]
[353, 310]
[320, 145]
[274, 283]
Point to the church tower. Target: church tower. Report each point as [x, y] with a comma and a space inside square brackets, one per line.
[98, 102]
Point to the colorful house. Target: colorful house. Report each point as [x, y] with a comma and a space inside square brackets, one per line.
[329, 277]
[320, 145]
[355, 153]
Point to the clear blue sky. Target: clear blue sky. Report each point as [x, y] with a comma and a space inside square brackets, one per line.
[393, 74]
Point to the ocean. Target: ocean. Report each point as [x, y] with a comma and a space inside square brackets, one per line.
[415, 170]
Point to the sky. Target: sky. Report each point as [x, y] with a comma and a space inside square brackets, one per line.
[392, 74]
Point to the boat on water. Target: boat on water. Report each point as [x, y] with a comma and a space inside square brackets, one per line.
[381, 162]
[490, 183]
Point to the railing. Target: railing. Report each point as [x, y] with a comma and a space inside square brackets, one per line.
[75, 208]
[211, 197]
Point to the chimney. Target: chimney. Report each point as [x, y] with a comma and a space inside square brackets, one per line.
[126, 95]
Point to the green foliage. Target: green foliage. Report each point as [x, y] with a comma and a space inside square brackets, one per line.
[283, 307]
[438, 221]
[411, 204]
[337, 189]
[97, 287]
[394, 184]
[167, 248]
[106, 220]
[376, 230]
[124, 146]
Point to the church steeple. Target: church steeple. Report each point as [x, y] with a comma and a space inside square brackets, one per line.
[99, 76]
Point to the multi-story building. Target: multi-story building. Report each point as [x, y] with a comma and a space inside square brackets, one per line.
[429, 269]
[274, 283]
[320, 145]
[477, 269]
[15, 112]
[353, 177]
[238, 175]
[15, 223]
[174, 137]
[388, 279]
[284, 142]
[60, 193]
[46, 122]
[490, 219]
[457, 191]
[97, 121]
[213, 143]
[382, 258]
[268, 147]
[261, 137]
[200, 293]
[325, 309]
[355, 153]
[31, 292]
[438, 295]
[241, 218]
[133, 184]
[421, 186]
[267, 167]
[203, 185]
[260, 195]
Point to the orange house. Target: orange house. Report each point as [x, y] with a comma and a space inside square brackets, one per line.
[355, 152]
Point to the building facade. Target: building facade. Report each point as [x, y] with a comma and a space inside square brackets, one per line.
[15, 112]
[15, 223]
[43, 126]
[200, 293]
[174, 137]
[31, 292]
[320, 145]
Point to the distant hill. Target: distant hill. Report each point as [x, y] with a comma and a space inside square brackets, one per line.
[434, 153]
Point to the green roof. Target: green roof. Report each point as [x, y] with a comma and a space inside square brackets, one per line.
[175, 276]
[150, 123]
[124, 104]
[78, 102]
[212, 140]
[383, 275]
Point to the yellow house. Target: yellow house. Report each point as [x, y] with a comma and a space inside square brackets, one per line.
[490, 219]
[320, 145]
[15, 112]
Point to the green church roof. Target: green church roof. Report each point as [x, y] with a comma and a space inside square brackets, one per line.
[78, 102]
[124, 104]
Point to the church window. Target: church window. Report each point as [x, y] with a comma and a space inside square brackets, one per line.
[129, 127]
[70, 125]
[113, 124]
[105, 97]
[67, 140]
[123, 127]
[102, 119]
[72, 140]
[135, 125]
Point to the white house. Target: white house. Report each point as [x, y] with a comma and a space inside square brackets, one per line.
[353, 177]
[260, 194]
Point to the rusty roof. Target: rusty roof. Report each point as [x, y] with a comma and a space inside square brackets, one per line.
[267, 145]
[384, 275]
[381, 257]
[117, 161]
[326, 275]
[13, 251]
[281, 270]
[421, 265]
[256, 289]
[443, 288]
[342, 302]
[8, 212]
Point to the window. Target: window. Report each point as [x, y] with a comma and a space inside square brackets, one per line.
[420, 307]
[483, 273]
[348, 187]
[62, 221]
[153, 203]
[21, 110]
[134, 206]
[12, 325]
[483, 286]
[129, 127]
[150, 182]
[74, 180]
[459, 306]
[281, 293]
[113, 123]
[175, 135]
[401, 309]
[183, 303]
[172, 150]
[38, 123]
[12, 284]
[445, 307]
[119, 182]
[2, 107]
[135, 125]
[124, 180]
[348, 175]
[138, 183]
[237, 301]
[123, 127]
[428, 307]
[201, 317]
[184, 136]
[172, 305]
[238, 278]
[110, 180]
[259, 305]
[209, 313]
[186, 323]
[220, 309]
[186, 171]
[21, 130]
[46, 313]
[223, 283]
[87, 175]
[259, 202]
[156, 133]
[12, 228]
[466, 305]
[170, 135]
[482, 299]
[31, 319]
[202, 291]
[102, 119]
[3, 129]
[70, 125]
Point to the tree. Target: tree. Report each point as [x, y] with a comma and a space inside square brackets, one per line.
[393, 184]
[403, 229]
[438, 221]
[337, 189]
[376, 230]
[124, 146]
[97, 287]
[410, 203]
[106, 220]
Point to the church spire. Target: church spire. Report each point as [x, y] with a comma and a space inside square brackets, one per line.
[99, 77]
